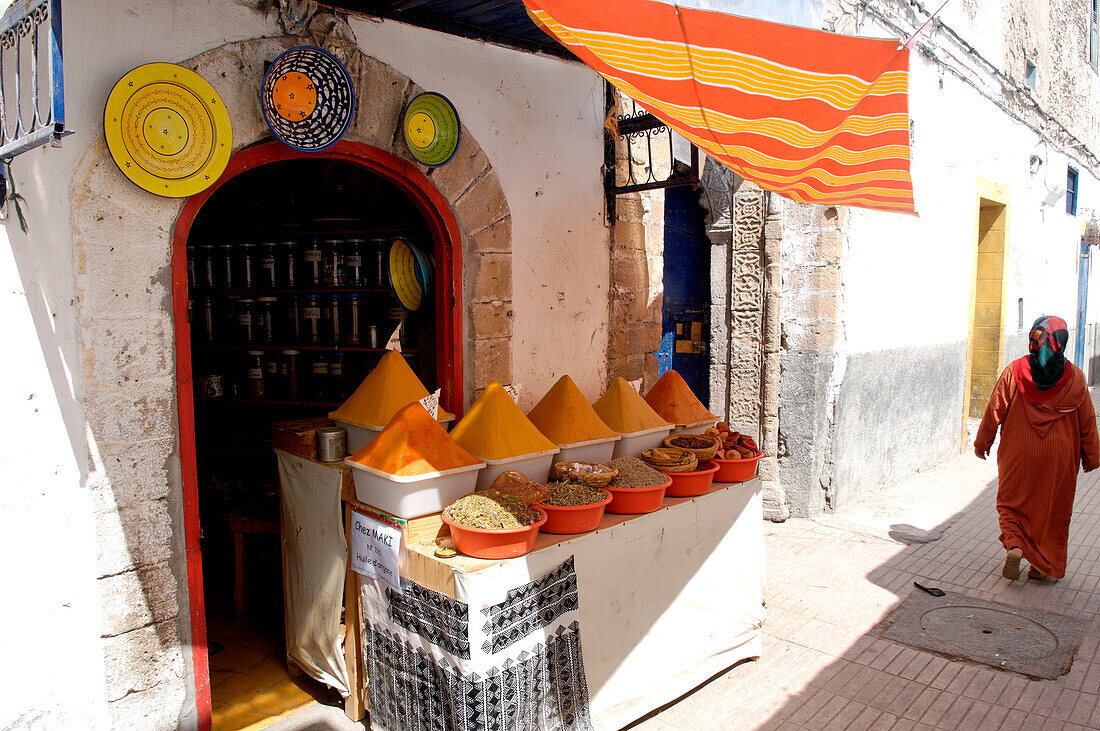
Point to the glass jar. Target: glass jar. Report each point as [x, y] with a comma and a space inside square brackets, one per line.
[331, 319]
[224, 266]
[353, 263]
[228, 318]
[379, 251]
[289, 328]
[256, 374]
[354, 320]
[247, 320]
[311, 319]
[207, 279]
[207, 327]
[291, 366]
[318, 385]
[311, 260]
[249, 266]
[269, 278]
[288, 264]
[265, 325]
[332, 253]
[336, 376]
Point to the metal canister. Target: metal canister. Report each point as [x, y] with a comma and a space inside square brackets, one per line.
[289, 328]
[311, 319]
[246, 320]
[208, 328]
[224, 266]
[354, 274]
[291, 361]
[248, 270]
[288, 264]
[256, 374]
[265, 325]
[372, 336]
[269, 278]
[354, 320]
[318, 384]
[311, 259]
[206, 277]
[332, 443]
[332, 253]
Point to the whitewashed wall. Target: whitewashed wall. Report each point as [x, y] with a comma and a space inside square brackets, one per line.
[90, 517]
[540, 123]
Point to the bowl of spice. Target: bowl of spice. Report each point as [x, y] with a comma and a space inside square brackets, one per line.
[573, 508]
[692, 484]
[491, 525]
[637, 489]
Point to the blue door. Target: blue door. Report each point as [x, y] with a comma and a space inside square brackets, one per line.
[1082, 304]
[686, 308]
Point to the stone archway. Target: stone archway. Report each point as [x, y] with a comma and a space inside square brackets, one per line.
[122, 250]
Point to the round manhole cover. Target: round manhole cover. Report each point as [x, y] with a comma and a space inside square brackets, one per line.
[990, 633]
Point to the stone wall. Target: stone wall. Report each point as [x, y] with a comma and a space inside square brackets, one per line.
[122, 247]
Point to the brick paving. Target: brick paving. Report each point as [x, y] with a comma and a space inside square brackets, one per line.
[833, 580]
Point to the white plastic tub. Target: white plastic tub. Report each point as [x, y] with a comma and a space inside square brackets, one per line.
[594, 450]
[698, 428]
[361, 436]
[634, 443]
[536, 466]
[411, 497]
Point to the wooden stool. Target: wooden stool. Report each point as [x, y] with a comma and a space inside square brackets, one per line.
[241, 527]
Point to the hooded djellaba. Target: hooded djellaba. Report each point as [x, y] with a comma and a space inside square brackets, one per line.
[1048, 430]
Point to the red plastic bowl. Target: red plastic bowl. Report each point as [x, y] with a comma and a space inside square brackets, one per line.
[636, 500]
[563, 519]
[737, 470]
[487, 543]
[690, 484]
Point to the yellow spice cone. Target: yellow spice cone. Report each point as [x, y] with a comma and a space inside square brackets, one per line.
[565, 416]
[495, 428]
[624, 410]
[387, 389]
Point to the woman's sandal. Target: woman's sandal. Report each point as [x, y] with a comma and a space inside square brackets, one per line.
[1012, 564]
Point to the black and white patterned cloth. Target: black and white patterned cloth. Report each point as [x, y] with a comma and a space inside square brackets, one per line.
[437, 663]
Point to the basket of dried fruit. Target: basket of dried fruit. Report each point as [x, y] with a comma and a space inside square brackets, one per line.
[590, 474]
[671, 459]
[573, 508]
[702, 446]
[492, 525]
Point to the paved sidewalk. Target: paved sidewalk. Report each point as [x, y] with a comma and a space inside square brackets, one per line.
[832, 580]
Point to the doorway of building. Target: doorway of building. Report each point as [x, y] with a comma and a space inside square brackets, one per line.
[287, 304]
[685, 311]
[987, 316]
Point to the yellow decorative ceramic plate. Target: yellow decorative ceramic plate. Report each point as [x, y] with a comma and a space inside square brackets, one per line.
[410, 274]
[431, 129]
[168, 130]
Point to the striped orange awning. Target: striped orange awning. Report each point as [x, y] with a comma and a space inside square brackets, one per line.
[815, 116]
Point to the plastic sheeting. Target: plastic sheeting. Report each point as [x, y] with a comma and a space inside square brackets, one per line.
[314, 567]
[659, 604]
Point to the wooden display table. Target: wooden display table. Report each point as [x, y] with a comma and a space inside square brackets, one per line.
[665, 601]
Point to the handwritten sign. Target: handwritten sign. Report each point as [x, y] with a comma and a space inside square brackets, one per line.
[431, 403]
[375, 549]
[511, 390]
[394, 343]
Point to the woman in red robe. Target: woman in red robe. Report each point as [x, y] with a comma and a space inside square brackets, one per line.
[1048, 429]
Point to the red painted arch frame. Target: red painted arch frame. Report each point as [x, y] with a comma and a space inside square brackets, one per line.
[448, 306]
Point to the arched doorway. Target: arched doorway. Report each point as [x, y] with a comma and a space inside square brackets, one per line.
[270, 193]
